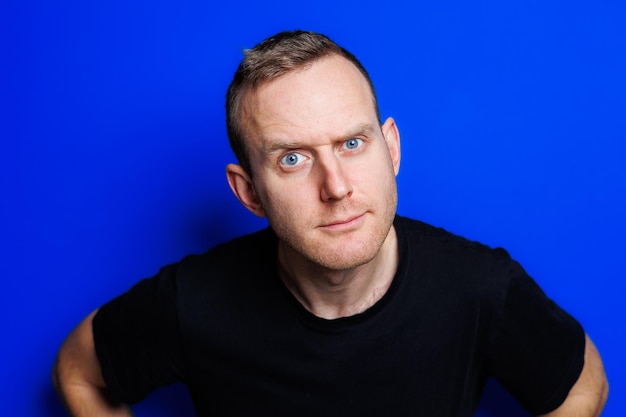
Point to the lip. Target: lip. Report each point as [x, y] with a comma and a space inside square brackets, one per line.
[345, 224]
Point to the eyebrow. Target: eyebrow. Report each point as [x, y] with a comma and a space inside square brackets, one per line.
[278, 145]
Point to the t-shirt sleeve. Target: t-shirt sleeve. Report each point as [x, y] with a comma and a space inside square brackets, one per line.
[137, 339]
[537, 349]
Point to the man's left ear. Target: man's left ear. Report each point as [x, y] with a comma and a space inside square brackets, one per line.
[392, 139]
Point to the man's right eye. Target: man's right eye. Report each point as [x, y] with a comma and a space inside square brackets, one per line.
[292, 159]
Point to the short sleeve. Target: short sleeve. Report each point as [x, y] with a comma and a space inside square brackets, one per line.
[137, 339]
[537, 349]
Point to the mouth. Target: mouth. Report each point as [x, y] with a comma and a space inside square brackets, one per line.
[344, 224]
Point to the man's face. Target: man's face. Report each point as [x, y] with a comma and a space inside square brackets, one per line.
[324, 169]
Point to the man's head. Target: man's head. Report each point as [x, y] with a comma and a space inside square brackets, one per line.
[321, 167]
[276, 56]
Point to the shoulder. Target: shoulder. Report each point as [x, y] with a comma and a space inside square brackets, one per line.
[239, 269]
[237, 256]
[446, 260]
[229, 269]
[439, 242]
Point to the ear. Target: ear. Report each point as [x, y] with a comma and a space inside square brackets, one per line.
[392, 139]
[243, 188]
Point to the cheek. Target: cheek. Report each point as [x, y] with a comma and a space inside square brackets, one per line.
[376, 170]
[285, 199]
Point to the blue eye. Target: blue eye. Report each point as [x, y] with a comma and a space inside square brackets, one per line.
[353, 143]
[292, 159]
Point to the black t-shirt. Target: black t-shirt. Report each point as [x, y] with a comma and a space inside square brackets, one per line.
[456, 313]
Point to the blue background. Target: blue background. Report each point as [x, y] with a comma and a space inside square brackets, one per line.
[113, 149]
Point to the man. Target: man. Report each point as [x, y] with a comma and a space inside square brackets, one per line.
[340, 307]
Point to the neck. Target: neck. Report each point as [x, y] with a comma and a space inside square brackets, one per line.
[332, 294]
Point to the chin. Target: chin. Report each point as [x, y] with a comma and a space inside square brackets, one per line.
[344, 257]
[344, 264]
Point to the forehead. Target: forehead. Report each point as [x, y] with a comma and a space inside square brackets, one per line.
[321, 99]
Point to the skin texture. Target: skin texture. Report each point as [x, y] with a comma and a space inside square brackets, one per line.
[78, 379]
[590, 392]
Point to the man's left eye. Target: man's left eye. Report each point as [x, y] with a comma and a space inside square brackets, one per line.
[353, 143]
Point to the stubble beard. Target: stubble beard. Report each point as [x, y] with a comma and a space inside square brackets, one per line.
[326, 253]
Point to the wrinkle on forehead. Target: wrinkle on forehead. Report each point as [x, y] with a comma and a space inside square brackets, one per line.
[329, 99]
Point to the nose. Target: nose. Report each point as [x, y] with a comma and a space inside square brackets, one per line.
[335, 185]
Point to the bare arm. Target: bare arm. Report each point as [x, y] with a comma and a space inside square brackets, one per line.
[78, 379]
[589, 393]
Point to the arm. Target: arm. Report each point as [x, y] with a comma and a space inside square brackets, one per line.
[78, 379]
[589, 393]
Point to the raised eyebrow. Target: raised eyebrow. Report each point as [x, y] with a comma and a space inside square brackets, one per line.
[360, 130]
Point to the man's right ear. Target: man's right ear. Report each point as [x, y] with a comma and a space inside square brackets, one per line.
[243, 188]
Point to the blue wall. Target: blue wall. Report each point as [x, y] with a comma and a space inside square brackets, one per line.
[113, 149]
